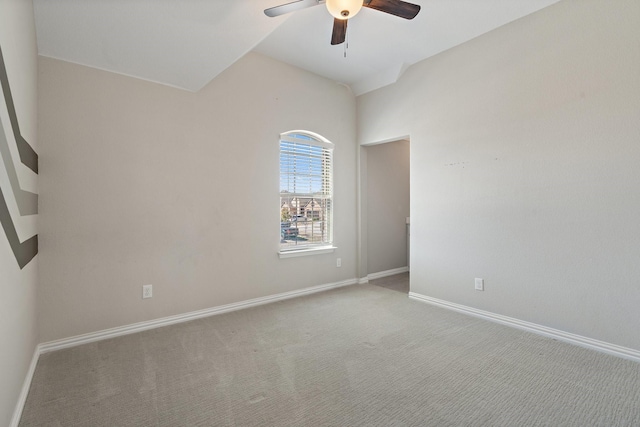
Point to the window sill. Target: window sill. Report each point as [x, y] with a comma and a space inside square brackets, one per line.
[309, 251]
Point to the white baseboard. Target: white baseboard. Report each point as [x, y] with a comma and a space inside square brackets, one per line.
[363, 281]
[601, 346]
[185, 317]
[22, 398]
[386, 273]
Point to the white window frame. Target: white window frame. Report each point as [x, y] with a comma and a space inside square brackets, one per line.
[326, 246]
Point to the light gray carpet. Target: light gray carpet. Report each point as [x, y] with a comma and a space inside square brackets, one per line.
[356, 356]
[397, 282]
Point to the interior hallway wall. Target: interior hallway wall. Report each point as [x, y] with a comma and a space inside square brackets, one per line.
[524, 152]
[387, 205]
[18, 201]
[147, 184]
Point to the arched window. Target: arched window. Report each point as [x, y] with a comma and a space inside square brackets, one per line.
[306, 191]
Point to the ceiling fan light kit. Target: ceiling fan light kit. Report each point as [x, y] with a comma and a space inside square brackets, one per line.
[344, 9]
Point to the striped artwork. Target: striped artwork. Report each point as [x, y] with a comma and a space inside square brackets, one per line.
[27, 202]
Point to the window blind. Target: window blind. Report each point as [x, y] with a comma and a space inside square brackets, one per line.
[306, 191]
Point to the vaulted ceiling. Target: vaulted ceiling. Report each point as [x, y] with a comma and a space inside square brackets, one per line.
[187, 43]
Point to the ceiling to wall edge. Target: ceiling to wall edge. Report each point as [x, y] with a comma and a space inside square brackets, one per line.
[120, 73]
[377, 81]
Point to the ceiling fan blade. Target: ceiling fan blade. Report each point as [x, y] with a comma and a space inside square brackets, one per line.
[395, 7]
[291, 7]
[339, 31]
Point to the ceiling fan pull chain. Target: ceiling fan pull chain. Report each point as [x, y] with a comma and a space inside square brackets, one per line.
[346, 44]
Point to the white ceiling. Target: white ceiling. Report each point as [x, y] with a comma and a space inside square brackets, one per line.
[186, 43]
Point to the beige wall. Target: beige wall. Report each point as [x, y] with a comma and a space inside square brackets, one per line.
[18, 334]
[524, 159]
[146, 184]
[387, 205]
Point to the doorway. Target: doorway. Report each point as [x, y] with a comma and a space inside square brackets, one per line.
[385, 213]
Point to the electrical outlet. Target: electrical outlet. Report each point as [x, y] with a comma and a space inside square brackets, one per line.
[479, 284]
[338, 262]
[147, 291]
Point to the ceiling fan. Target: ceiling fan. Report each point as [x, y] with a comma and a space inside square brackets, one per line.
[343, 10]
